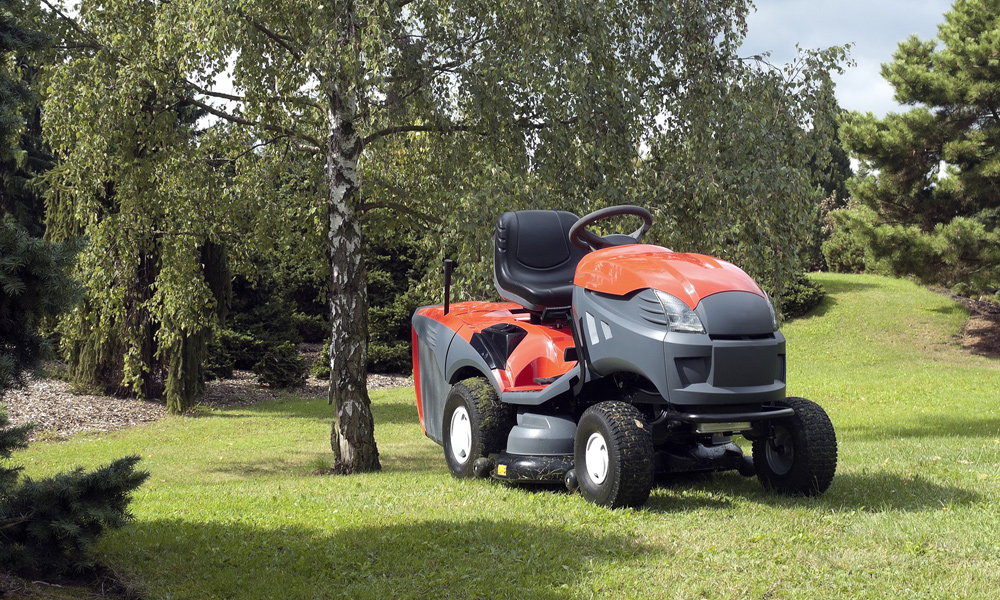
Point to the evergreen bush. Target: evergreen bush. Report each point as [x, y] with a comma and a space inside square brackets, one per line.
[238, 349]
[321, 366]
[844, 250]
[311, 328]
[282, 367]
[801, 296]
[396, 267]
[49, 526]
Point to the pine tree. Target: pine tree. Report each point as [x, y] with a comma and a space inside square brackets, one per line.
[46, 526]
[941, 225]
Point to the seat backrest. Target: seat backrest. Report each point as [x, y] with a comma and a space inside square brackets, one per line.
[533, 261]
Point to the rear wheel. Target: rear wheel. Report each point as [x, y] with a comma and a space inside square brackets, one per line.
[800, 457]
[613, 455]
[476, 424]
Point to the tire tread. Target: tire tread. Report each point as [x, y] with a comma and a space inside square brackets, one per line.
[815, 473]
[635, 457]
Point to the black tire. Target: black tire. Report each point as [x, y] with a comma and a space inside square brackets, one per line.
[627, 476]
[800, 458]
[483, 422]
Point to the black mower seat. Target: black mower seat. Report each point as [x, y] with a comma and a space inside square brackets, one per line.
[533, 261]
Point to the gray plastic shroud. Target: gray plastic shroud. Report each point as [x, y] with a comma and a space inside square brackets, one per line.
[432, 340]
[739, 360]
[542, 435]
[444, 358]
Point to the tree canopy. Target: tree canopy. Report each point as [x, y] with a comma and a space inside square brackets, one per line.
[929, 182]
[441, 112]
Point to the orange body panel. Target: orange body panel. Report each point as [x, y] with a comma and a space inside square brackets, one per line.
[622, 270]
[538, 355]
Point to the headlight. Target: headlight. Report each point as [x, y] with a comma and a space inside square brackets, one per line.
[679, 316]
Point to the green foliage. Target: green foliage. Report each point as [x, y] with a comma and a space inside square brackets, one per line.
[262, 316]
[46, 526]
[49, 527]
[953, 82]
[240, 350]
[963, 253]
[34, 285]
[15, 41]
[396, 267]
[845, 251]
[220, 361]
[802, 295]
[833, 180]
[11, 439]
[321, 366]
[23, 155]
[311, 328]
[282, 367]
[263, 309]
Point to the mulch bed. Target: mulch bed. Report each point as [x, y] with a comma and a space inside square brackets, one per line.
[981, 334]
[59, 413]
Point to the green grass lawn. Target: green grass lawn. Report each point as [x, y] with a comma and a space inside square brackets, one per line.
[913, 512]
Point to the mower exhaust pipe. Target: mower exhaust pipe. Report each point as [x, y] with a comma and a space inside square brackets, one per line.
[449, 266]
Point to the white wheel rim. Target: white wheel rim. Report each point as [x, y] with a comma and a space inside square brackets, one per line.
[597, 458]
[461, 434]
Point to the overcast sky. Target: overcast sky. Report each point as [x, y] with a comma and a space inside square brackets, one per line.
[875, 27]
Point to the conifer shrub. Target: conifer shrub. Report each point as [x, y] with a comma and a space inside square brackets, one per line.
[236, 350]
[282, 367]
[49, 526]
[311, 328]
[396, 267]
[801, 296]
[321, 366]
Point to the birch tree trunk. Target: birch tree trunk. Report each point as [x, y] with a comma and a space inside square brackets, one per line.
[352, 435]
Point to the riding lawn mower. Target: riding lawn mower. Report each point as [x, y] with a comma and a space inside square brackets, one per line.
[613, 363]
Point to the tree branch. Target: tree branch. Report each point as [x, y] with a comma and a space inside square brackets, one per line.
[188, 84]
[73, 24]
[11, 522]
[412, 129]
[314, 144]
[277, 39]
[367, 206]
[523, 123]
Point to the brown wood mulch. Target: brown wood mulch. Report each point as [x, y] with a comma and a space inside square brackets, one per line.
[59, 413]
[981, 334]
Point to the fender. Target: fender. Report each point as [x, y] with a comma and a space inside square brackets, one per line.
[441, 358]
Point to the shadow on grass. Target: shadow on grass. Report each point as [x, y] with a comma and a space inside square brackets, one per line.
[923, 426]
[842, 287]
[396, 413]
[825, 306]
[479, 558]
[423, 458]
[385, 413]
[951, 309]
[861, 492]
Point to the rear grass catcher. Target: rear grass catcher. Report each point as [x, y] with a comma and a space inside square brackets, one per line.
[613, 362]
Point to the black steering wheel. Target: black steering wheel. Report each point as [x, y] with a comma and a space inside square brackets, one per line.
[581, 238]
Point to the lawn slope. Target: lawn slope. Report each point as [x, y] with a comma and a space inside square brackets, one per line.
[230, 512]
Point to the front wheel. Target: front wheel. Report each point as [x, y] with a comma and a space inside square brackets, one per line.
[613, 455]
[800, 456]
[476, 424]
